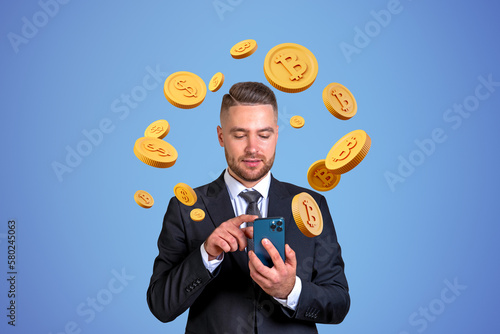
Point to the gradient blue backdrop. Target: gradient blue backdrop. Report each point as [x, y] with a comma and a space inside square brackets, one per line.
[403, 244]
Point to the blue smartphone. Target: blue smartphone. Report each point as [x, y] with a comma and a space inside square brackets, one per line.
[272, 228]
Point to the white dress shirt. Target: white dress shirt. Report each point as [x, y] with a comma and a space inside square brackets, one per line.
[239, 204]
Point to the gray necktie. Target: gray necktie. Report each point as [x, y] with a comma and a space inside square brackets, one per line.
[252, 198]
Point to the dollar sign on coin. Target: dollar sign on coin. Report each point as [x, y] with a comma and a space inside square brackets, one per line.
[190, 91]
[185, 194]
[155, 152]
[216, 82]
[184, 89]
[157, 129]
[197, 215]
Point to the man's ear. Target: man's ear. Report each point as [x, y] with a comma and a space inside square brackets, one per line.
[220, 136]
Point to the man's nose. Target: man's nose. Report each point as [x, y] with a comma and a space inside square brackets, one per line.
[252, 144]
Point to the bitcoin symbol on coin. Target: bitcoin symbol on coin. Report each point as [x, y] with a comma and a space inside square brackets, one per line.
[190, 91]
[338, 96]
[289, 60]
[144, 199]
[243, 47]
[161, 151]
[345, 149]
[325, 176]
[311, 219]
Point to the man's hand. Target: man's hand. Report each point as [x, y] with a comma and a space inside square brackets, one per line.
[279, 280]
[228, 237]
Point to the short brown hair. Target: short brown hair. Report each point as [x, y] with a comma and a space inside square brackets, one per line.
[248, 93]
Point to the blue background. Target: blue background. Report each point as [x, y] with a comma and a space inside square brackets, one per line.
[403, 243]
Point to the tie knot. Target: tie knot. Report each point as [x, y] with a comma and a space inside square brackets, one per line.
[251, 196]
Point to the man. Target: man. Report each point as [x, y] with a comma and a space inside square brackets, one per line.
[205, 266]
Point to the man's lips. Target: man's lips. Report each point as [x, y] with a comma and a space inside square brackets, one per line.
[251, 162]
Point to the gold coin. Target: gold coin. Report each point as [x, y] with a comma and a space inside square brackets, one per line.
[197, 215]
[216, 82]
[144, 199]
[290, 67]
[307, 215]
[158, 129]
[243, 49]
[321, 178]
[184, 89]
[348, 152]
[339, 101]
[185, 194]
[155, 152]
[297, 122]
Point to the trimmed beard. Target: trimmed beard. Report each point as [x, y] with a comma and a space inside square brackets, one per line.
[244, 174]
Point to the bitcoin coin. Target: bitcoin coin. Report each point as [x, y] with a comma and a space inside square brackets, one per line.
[297, 122]
[158, 129]
[290, 67]
[339, 101]
[216, 82]
[185, 194]
[348, 152]
[321, 178]
[243, 49]
[307, 215]
[155, 152]
[197, 215]
[184, 89]
[144, 199]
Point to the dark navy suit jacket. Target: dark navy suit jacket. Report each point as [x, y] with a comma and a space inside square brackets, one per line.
[228, 301]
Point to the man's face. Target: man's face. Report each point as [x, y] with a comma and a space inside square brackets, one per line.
[249, 135]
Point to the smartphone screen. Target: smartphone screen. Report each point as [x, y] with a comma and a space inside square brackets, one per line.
[272, 228]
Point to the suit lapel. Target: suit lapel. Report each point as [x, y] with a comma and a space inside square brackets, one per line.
[217, 202]
[219, 208]
[280, 202]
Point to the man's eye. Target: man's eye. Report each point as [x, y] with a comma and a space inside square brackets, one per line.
[265, 136]
[239, 136]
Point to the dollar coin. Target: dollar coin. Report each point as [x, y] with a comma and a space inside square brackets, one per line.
[157, 129]
[185, 194]
[216, 82]
[321, 178]
[144, 199]
[197, 215]
[155, 152]
[297, 122]
[185, 89]
[339, 101]
[307, 215]
[243, 49]
[290, 67]
[348, 152]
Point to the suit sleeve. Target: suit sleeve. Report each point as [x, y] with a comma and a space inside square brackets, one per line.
[324, 298]
[179, 275]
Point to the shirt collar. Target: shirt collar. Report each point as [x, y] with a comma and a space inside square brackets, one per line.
[234, 187]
